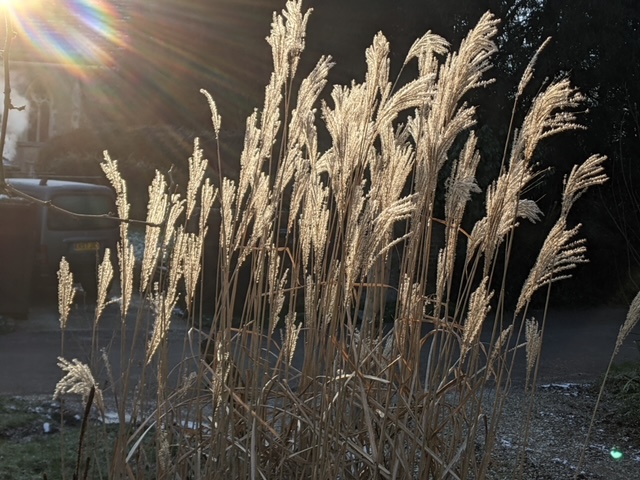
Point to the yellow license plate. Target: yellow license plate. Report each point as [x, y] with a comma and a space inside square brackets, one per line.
[86, 246]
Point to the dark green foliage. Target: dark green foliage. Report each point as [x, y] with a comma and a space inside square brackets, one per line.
[623, 384]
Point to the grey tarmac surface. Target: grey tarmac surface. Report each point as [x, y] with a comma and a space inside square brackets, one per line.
[576, 349]
[29, 348]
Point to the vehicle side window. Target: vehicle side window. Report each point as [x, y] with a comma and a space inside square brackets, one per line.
[84, 204]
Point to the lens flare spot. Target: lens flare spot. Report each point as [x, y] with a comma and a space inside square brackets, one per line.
[616, 453]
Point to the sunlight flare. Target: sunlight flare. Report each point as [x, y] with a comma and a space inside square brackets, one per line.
[92, 33]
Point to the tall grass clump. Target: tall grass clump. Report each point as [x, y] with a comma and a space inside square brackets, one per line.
[300, 374]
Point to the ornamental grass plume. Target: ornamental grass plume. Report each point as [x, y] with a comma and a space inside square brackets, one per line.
[216, 120]
[79, 380]
[533, 337]
[157, 209]
[105, 276]
[479, 306]
[561, 251]
[164, 302]
[66, 292]
[347, 338]
[126, 257]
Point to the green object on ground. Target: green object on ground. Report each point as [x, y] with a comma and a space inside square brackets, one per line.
[616, 454]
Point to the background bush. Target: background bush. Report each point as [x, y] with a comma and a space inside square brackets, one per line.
[140, 151]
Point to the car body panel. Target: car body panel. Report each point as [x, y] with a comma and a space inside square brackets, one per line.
[81, 240]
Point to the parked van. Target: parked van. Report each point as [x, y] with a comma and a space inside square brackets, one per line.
[81, 240]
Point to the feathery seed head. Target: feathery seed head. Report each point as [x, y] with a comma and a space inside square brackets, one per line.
[292, 332]
[377, 77]
[559, 254]
[197, 169]
[549, 115]
[497, 349]
[529, 210]
[533, 337]
[110, 169]
[156, 212]
[105, 275]
[126, 260]
[582, 176]
[528, 73]
[216, 120]
[192, 262]
[227, 208]
[163, 303]
[175, 210]
[287, 38]
[208, 195]
[462, 183]
[504, 207]
[66, 292]
[425, 49]
[479, 306]
[78, 379]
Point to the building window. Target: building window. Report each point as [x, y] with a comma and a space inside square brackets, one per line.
[39, 112]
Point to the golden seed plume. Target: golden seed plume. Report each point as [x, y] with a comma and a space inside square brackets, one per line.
[126, 259]
[78, 380]
[207, 197]
[287, 37]
[479, 306]
[216, 120]
[459, 187]
[527, 76]
[583, 176]
[66, 292]
[292, 332]
[105, 275]
[175, 210]
[559, 254]
[497, 349]
[156, 213]
[197, 169]
[192, 262]
[110, 169]
[426, 49]
[533, 336]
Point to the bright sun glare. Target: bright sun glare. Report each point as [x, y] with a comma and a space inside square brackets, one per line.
[21, 6]
[68, 31]
[14, 3]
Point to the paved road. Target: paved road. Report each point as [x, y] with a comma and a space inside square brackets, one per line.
[576, 348]
[578, 344]
[29, 348]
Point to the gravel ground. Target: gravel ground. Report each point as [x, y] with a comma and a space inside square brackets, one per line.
[560, 422]
[560, 417]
